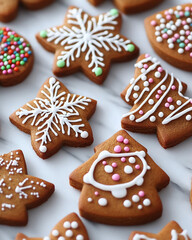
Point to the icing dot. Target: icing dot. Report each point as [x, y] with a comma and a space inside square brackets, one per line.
[117, 149]
[55, 233]
[98, 71]
[128, 169]
[137, 166]
[163, 87]
[102, 202]
[157, 74]
[146, 202]
[69, 233]
[130, 48]
[167, 105]
[135, 95]
[179, 102]
[43, 149]
[46, 238]
[60, 63]
[159, 39]
[170, 99]
[146, 84]
[141, 193]
[43, 34]
[136, 198]
[127, 203]
[113, 12]
[52, 80]
[104, 163]
[132, 160]
[61, 238]
[132, 117]
[151, 80]
[79, 237]
[171, 107]
[136, 88]
[161, 114]
[114, 164]
[140, 207]
[84, 134]
[151, 101]
[123, 159]
[152, 118]
[120, 138]
[74, 225]
[143, 78]
[188, 117]
[116, 177]
[126, 141]
[126, 149]
[89, 200]
[96, 193]
[67, 224]
[108, 169]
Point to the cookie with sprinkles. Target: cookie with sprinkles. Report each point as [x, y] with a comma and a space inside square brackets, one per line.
[159, 103]
[119, 184]
[18, 190]
[16, 57]
[170, 34]
[69, 228]
[56, 117]
[88, 44]
[172, 231]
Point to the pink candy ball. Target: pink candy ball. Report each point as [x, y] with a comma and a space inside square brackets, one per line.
[173, 87]
[126, 149]
[104, 162]
[116, 177]
[141, 194]
[150, 80]
[114, 164]
[123, 159]
[117, 149]
[141, 112]
[96, 193]
[167, 105]
[137, 166]
[120, 138]
[153, 23]
[126, 141]
[169, 99]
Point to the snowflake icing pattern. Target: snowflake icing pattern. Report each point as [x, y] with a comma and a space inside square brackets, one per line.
[87, 34]
[54, 112]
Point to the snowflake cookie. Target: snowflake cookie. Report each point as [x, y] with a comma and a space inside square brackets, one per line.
[130, 6]
[18, 190]
[9, 8]
[159, 105]
[87, 43]
[69, 228]
[170, 34]
[119, 183]
[172, 231]
[16, 57]
[55, 118]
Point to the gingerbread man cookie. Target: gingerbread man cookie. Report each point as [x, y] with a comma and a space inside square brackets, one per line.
[119, 183]
[55, 118]
[129, 6]
[170, 34]
[88, 44]
[16, 57]
[9, 8]
[69, 228]
[172, 231]
[18, 190]
[159, 105]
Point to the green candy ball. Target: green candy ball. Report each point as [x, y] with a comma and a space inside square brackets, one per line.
[60, 63]
[43, 34]
[130, 48]
[98, 71]
[114, 12]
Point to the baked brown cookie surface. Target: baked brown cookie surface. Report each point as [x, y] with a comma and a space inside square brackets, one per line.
[159, 105]
[88, 44]
[119, 184]
[19, 191]
[69, 228]
[16, 57]
[170, 34]
[55, 118]
[172, 231]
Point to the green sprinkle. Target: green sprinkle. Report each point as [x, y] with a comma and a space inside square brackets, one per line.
[182, 45]
[22, 51]
[1, 31]
[98, 71]
[187, 14]
[43, 34]
[60, 63]
[13, 61]
[8, 66]
[18, 58]
[178, 40]
[20, 47]
[114, 12]
[130, 48]
[22, 63]
[3, 68]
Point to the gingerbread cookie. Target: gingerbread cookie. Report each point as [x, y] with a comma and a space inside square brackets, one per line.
[129, 6]
[119, 183]
[88, 44]
[69, 228]
[16, 57]
[55, 118]
[172, 231]
[18, 190]
[159, 105]
[9, 8]
[170, 34]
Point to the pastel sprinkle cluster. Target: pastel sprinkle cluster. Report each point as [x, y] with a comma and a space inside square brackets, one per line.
[14, 51]
[175, 27]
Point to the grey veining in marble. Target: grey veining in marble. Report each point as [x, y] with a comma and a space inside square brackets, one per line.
[176, 161]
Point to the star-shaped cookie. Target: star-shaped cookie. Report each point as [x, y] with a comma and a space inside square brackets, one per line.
[69, 228]
[119, 184]
[129, 6]
[18, 190]
[87, 43]
[55, 118]
[172, 231]
[9, 8]
[159, 104]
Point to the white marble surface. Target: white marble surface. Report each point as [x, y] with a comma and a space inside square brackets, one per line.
[177, 161]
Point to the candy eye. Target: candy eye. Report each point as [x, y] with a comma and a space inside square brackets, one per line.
[108, 169]
[128, 169]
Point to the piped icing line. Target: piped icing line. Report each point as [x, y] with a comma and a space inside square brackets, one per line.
[142, 237]
[119, 190]
[175, 235]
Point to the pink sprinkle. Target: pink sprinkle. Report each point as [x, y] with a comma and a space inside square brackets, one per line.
[147, 55]
[141, 194]
[12, 65]
[7, 29]
[123, 159]
[184, 22]
[145, 66]
[157, 96]
[169, 99]
[24, 44]
[174, 39]
[181, 13]
[191, 54]
[1, 64]
[22, 55]
[151, 80]
[167, 105]
[117, 149]
[153, 23]
[120, 138]
[116, 177]
[187, 48]
[12, 56]
[168, 17]
[126, 149]
[137, 166]
[159, 91]
[96, 193]
[126, 141]
[186, 41]
[160, 69]
[187, 33]
[173, 87]
[9, 71]
[4, 72]
[176, 35]
[17, 49]
[141, 112]
[187, 9]
[165, 35]
[104, 162]
[114, 164]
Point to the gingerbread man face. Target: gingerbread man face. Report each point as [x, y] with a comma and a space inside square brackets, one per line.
[119, 181]
[158, 102]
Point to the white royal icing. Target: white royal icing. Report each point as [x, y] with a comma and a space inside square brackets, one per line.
[142, 237]
[175, 235]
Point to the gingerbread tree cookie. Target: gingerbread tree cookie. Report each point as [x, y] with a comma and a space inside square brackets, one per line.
[87, 43]
[159, 105]
[16, 57]
[55, 118]
[172, 231]
[129, 6]
[9, 8]
[170, 34]
[19, 191]
[69, 228]
[119, 183]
